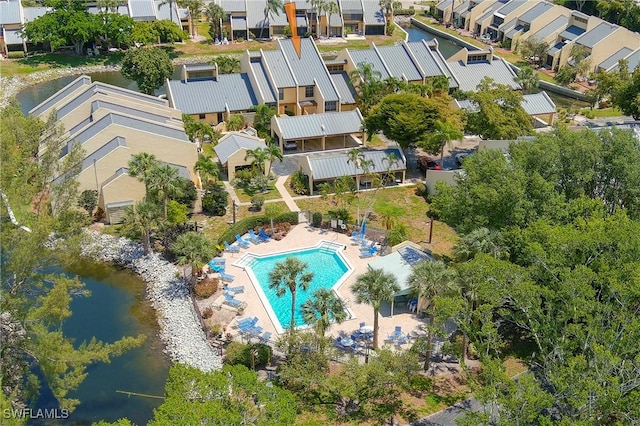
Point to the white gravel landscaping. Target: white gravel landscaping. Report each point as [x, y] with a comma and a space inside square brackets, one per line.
[180, 330]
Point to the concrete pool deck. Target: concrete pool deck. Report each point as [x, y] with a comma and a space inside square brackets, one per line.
[303, 236]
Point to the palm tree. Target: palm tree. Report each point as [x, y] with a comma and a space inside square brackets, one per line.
[207, 169]
[330, 8]
[481, 240]
[318, 6]
[215, 15]
[195, 9]
[139, 218]
[367, 82]
[141, 165]
[271, 9]
[289, 275]
[356, 156]
[272, 211]
[162, 182]
[527, 78]
[440, 84]
[374, 287]
[443, 133]
[258, 158]
[324, 307]
[428, 280]
[193, 248]
[273, 152]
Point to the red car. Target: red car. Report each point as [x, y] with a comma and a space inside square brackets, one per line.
[427, 163]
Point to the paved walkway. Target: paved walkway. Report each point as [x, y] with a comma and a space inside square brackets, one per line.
[285, 194]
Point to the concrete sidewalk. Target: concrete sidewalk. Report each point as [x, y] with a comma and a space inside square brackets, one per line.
[280, 186]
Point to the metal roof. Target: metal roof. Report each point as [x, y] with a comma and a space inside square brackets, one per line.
[239, 23]
[432, 61]
[513, 31]
[572, 32]
[537, 10]
[318, 125]
[462, 7]
[551, 28]
[308, 69]
[233, 5]
[351, 6]
[60, 95]
[373, 14]
[231, 143]
[335, 20]
[199, 67]
[597, 34]
[488, 12]
[555, 49]
[142, 9]
[399, 62]
[232, 91]
[301, 21]
[443, 5]
[399, 263]
[103, 151]
[613, 59]
[130, 122]
[345, 89]
[509, 25]
[256, 18]
[163, 11]
[369, 56]
[325, 167]
[12, 36]
[136, 112]
[469, 76]
[262, 81]
[31, 13]
[10, 12]
[533, 104]
[511, 6]
[276, 63]
[633, 61]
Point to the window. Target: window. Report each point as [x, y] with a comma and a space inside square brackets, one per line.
[581, 20]
[281, 94]
[476, 58]
[202, 116]
[330, 106]
[308, 92]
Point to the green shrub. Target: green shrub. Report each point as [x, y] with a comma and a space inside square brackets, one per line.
[215, 199]
[15, 55]
[253, 222]
[420, 383]
[299, 183]
[316, 219]
[187, 193]
[421, 189]
[239, 353]
[257, 201]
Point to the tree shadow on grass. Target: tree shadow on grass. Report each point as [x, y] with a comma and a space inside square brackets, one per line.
[70, 60]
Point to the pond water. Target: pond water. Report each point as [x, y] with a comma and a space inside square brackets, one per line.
[115, 308]
[446, 47]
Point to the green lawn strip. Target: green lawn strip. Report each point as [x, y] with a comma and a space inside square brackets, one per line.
[244, 196]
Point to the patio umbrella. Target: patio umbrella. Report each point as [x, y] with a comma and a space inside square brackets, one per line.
[364, 228]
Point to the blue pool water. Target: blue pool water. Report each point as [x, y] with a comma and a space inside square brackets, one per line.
[327, 267]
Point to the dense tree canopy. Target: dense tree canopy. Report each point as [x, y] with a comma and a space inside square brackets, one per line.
[557, 271]
[497, 113]
[408, 118]
[149, 68]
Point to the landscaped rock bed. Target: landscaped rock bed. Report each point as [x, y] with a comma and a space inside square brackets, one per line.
[180, 329]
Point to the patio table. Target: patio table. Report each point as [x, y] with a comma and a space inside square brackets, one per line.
[347, 342]
[366, 329]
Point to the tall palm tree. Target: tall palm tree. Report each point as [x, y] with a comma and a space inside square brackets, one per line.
[193, 248]
[289, 275]
[207, 169]
[272, 211]
[356, 156]
[367, 82]
[527, 78]
[330, 8]
[318, 6]
[272, 8]
[139, 218]
[428, 280]
[322, 308]
[440, 84]
[215, 15]
[374, 287]
[443, 133]
[141, 165]
[195, 9]
[273, 152]
[258, 158]
[481, 240]
[163, 183]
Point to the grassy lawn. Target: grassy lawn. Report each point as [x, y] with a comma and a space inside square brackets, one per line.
[413, 216]
[604, 112]
[245, 196]
[46, 61]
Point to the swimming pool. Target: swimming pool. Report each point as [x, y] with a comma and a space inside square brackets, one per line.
[329, 268]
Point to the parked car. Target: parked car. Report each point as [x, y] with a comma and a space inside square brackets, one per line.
[427, 163]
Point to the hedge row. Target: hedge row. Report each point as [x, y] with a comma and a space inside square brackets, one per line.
[242, 226]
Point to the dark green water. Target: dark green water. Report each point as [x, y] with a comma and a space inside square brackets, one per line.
[116, 308]
[446, 47]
